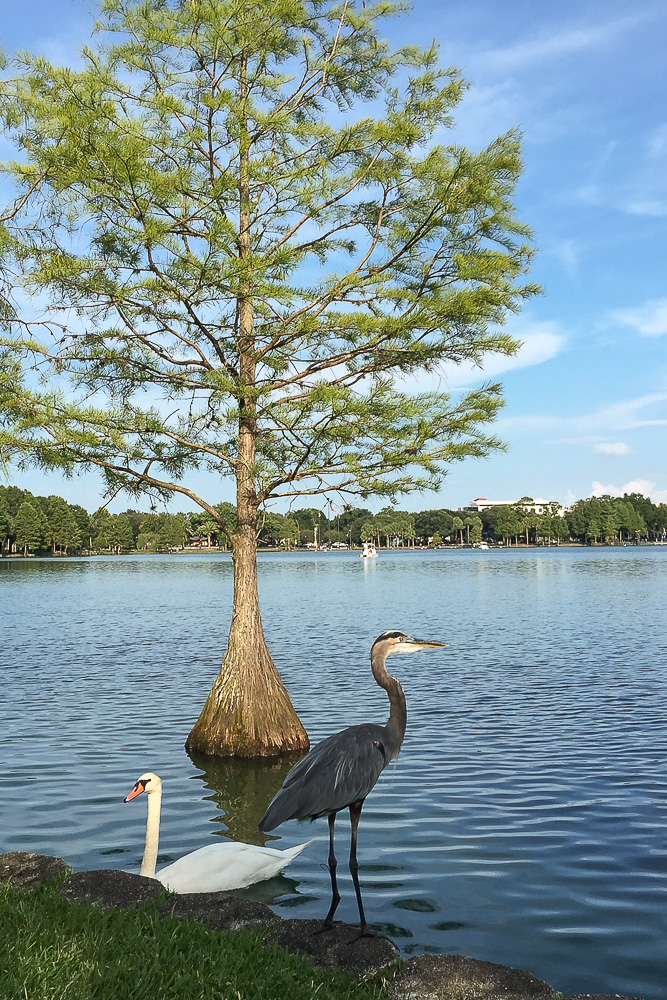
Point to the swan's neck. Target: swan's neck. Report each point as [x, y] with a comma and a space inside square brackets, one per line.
[152, 833]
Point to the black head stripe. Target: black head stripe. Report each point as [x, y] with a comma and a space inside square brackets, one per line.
[393, 634]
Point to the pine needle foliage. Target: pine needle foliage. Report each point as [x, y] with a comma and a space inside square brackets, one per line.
[223, 238]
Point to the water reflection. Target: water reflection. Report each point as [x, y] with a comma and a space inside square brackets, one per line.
[524, 821]
[242, 790]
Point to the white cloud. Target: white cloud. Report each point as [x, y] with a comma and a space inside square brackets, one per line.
[652, 207]
[540, 342]
[657, 143]
[567, 252]
[644, 486]
[612, 448]
[585, 428]
[627, 415]
[628, 176]
[556, 44]
[650, 319]
[645, 193]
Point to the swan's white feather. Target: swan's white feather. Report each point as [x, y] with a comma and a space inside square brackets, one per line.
[225, 866]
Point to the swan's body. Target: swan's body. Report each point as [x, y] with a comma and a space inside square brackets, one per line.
[211, 868]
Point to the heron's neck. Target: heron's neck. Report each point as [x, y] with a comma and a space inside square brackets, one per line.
[398, 715]
[152, 833]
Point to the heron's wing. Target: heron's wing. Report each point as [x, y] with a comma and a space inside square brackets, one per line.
[337, 772]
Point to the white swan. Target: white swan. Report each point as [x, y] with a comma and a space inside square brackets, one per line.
[211, 868]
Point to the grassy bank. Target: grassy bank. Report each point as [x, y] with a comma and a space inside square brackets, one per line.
[52, 949]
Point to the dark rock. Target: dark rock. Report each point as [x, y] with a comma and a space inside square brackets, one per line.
[440, 977]
[25, 871]
[111, 888]
[428, 977]
[219, 910]
[342, 945]
[601, 996]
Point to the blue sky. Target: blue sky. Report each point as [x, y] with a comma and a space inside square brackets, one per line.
[586, 398]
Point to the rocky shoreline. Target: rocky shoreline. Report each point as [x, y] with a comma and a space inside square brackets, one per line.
[425, 977]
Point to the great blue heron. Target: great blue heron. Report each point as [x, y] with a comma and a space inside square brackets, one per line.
[341, 770]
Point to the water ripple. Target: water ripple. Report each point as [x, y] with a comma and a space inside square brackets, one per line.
[525, 820]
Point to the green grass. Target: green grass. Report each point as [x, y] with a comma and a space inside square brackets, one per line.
[52, 949]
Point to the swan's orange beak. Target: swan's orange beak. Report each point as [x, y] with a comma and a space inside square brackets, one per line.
[137, 790]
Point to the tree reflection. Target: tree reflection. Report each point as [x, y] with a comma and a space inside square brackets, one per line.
[242, 789]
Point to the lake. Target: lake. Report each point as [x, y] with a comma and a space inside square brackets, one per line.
[526, 819]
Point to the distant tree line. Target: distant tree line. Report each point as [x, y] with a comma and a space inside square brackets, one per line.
[40, 525]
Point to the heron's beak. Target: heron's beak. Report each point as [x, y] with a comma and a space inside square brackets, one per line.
[137, 790]
[429, 643]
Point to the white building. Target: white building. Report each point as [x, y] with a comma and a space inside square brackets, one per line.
[539, 506]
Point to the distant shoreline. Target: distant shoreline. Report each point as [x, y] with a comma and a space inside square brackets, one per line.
[214, 550]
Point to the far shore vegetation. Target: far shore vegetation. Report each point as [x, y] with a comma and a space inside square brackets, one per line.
[49, 525]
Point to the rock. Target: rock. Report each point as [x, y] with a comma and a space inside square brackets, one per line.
[219, 910]
[111, 888]
[342, 945]
[440, 977]
[428, 977]
[24, 870]
[601, 996]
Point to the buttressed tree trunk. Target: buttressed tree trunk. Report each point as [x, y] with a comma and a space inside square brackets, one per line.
[248, 712]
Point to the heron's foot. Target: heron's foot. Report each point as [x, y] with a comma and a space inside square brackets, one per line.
[327, 925]
[366, 931]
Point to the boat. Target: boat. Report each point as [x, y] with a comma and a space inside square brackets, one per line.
[368, 551]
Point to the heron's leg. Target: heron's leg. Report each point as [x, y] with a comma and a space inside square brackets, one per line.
[355, 816]
[335, 895]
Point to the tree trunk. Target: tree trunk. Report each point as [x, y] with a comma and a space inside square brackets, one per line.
[248, 712]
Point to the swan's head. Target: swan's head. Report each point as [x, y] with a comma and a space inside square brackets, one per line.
[399, 642]
[147, 782]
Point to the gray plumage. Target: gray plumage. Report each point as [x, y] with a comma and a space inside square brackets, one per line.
[341, 770]
[338, 771]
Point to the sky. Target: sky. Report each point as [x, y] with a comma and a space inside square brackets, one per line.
[585, 82]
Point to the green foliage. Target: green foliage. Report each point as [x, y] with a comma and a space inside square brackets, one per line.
[474, 529]
[39, 522]
[429, 523]
[249, 225]
[27, 528]
[6, 522]
[62, 530]
[56, 949]
[163, 532]
[617, 519]
[279, 530]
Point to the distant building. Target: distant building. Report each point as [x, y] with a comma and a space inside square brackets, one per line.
[540, 506]
[481, 503]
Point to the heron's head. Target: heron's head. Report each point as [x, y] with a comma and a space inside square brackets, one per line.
[400, 642]
[147, 782]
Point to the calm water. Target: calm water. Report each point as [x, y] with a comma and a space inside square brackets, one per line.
[526, 820]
